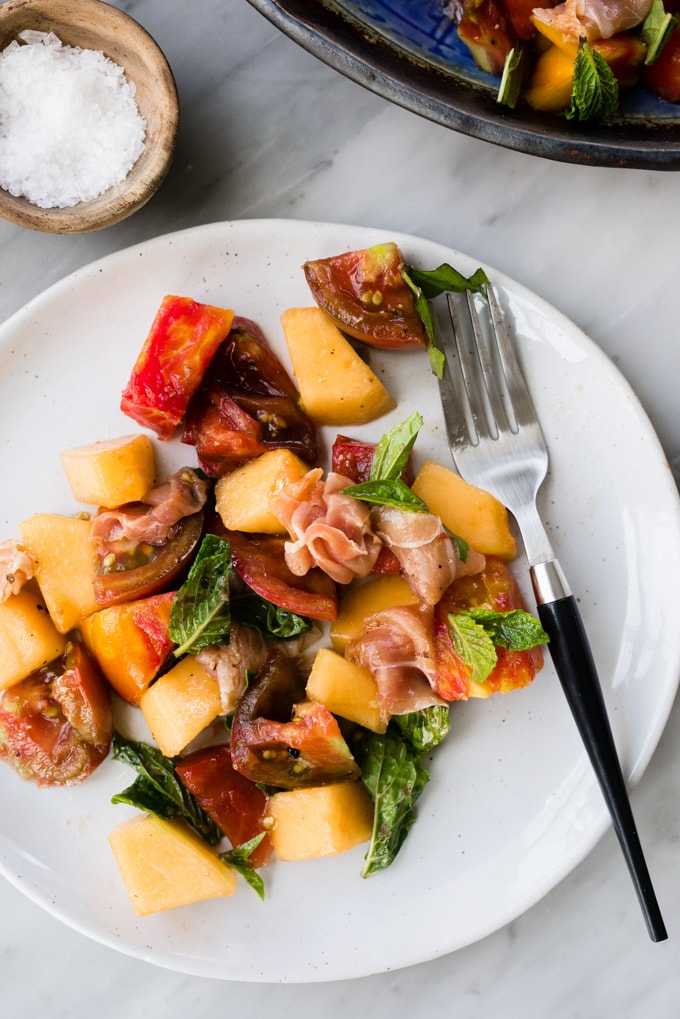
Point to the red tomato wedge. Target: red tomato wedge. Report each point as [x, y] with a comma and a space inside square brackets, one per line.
[364, 293]
[180, 345]
[56, 725]
[494, 588]
[236, 805]
[662, 78]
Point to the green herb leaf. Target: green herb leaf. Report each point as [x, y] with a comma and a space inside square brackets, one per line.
[425, 729]
[392, 452]
[158, 789]
[200, 614]
[393, 774]
[516, 629]
[656, 29]
[595, 90]
[425, 284]
[239, 857]
[271, 620]
[473, 644]
[514, 72]
[387, 493]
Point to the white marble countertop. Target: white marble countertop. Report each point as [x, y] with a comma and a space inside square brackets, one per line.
[269, 131]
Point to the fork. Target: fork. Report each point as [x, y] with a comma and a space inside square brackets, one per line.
[497, 444]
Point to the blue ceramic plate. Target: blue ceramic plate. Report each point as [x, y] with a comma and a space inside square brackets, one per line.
[408, 52]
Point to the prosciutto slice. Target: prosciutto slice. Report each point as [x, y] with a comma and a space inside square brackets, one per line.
[426, 552]
[328, 529]
[17, 567]
[594, 19]
[152, 520]
[229, 663]
[397, 646]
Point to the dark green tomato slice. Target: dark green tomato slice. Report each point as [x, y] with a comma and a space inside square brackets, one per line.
[138, 571]
[366, 296]
[279, 739]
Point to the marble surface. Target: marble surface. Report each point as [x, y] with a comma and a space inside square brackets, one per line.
[268, 131]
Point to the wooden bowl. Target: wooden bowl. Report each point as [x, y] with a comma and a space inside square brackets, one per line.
[92, 24]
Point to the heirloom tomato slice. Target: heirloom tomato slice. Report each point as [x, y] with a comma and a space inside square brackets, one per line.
[280, 739]
[494, 588]
[56, 725]
[236, 805]
[131, 570]
[180, 345]
[364, 293]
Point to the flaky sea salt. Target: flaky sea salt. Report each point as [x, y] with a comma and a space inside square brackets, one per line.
[70, 127]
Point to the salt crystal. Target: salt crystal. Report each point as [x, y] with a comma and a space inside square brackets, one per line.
[70, 127]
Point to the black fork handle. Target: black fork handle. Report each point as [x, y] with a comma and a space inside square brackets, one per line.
[571, 654]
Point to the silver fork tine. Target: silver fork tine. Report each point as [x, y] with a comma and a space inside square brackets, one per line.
[497, 443]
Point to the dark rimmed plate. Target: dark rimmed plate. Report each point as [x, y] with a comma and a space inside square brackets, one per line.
[407, 51]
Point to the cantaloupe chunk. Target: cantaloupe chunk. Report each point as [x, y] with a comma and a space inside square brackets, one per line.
[346, 689]
[180, 704]
[112, 472]
[164, 864]
[374, 595]
[468, 511]
[28, 637]
[130, 642]
[245, 497]
[66, 566]
[336, 386]
[320, 820]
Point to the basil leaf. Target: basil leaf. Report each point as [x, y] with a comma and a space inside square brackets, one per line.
[158, 789]
[473, 645]
[387, 493]
[426, 728]
[271, 620]
[514, 72]
[392, 452]
[656, 29]
[595, 90]
[238, 859]
[426, 284]
[516, 629]
[200, 614]
[393, 774]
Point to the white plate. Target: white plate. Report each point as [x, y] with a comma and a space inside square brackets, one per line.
[512, 806]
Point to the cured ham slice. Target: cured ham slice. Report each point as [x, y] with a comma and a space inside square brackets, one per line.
[426, 552]
[153, 518]
[396, 645]
[328, 529]
[230, 663]
[594, 19]
[17, 567]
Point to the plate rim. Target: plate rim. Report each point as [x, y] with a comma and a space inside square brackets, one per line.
[663, 709]
[379, 65]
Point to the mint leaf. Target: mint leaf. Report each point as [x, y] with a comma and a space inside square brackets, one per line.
[516, 629]
[473, 645]
[514, 73]
[656, 29]
[271, 620]
[425, 284]
[200, 614]
[387, 493]
[238, 859]
[426, 728]
[393, 774]
[392, 452]
[158, 789]
[595, 90]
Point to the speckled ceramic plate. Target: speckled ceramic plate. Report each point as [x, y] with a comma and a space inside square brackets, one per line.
[512, 805]
[408, 51]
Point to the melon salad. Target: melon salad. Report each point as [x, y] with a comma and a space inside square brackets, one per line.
[289, 634]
